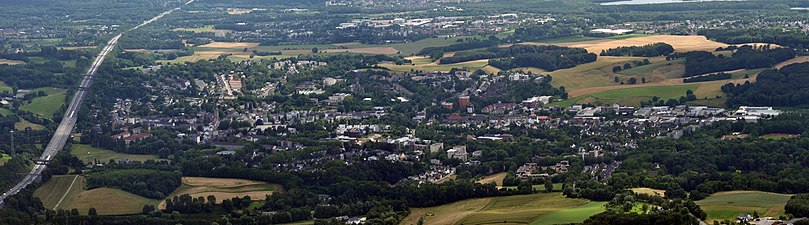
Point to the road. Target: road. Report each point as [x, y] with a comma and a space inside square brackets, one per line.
[62, 133]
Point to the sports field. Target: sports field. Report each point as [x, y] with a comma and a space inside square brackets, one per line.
[48, 105]
[727, 205]
[520, 209]
[223, 188]
[89, 154]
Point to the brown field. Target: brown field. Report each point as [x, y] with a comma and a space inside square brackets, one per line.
[680, 43]
[10, 62]
[230, 45]
[239, 11]
[650, 191]
[799, 59]
[497, 179]
[370, 50]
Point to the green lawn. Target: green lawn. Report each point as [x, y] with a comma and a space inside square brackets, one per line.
[4, 87]
[48, 105]
[573, 215]
[631, 96]
[52, 191]
[4, 158]
[88, 154]
[5, 112]
[727, 205]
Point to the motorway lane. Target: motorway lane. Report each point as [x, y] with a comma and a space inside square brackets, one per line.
[68, 122]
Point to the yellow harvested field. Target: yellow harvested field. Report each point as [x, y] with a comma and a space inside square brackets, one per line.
[370, 50]
[799, 59]
[224, 188]
[650, 191]
[218, 182]
[11, 62]
[239, 11]
[230, 45]
[679, 42]
[497, 179]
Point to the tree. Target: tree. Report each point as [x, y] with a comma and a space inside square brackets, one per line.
[616, 69]
[421, 221]
[74, 212]
[314, 50]
[627, 66]
[92, 212]
[548, 185]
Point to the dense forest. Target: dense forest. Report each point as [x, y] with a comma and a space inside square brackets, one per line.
[547, 57]
[792, 39]
[651, 50]
[788, 86]
[147, 183]
[744, 57]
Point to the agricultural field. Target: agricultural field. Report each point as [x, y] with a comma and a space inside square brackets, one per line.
[679, 42]
[520, 209]
[594, 74]
[11, 62]
[48, 105]
[109, 201]
[59, 191]
[727, 205]
[573, 215]
[89, 154]
[223, 188]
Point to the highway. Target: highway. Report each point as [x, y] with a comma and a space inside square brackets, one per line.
[68, 122]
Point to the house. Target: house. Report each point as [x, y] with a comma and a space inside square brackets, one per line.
[744, 218]
[498, 108]
[458, 152]
[136, 137]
